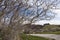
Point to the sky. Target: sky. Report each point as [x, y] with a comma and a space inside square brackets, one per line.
[55, 21]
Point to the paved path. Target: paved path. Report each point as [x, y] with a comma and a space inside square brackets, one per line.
[53, 36]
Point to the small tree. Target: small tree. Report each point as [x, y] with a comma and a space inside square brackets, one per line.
[15, 12]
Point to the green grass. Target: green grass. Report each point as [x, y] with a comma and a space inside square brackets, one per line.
[29, 37]
[57, 32]
[49, 27]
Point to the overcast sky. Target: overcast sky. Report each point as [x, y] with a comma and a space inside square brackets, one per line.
[55, 21]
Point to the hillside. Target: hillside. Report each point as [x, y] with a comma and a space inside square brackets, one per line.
[40, 28]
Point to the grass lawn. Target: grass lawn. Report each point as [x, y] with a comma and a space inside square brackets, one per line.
[29, 37]
[57, 32]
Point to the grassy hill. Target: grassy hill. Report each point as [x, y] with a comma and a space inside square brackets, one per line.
[51, 29]
[45, 28]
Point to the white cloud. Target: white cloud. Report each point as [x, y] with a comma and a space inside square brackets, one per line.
[55, 21]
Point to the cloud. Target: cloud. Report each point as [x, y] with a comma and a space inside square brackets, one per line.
[55, 21]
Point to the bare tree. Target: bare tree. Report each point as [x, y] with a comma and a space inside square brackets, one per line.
[13, 13]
